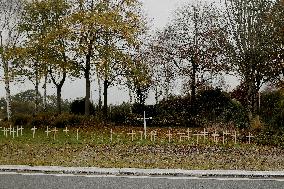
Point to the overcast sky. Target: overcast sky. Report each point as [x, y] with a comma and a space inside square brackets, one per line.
[159, 12]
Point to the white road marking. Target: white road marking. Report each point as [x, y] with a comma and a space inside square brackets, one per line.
[142, 177]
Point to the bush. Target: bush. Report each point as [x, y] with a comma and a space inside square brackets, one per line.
[21, 119]
[272, 108]
[78, 107]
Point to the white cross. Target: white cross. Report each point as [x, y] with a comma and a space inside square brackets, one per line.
[77, 134]
[20, 129]
[66, 130]
[215, 136]
[235, 136]
[249, 137]
[182, 135]
[34, 129]
[111, 133]
[197, 137]
[145, 127]
[141, 135]
[224, 134]
[169, 135]
[10, 129]
[13, 132]
[153, 135]
[47, 131]
[5, 130]
[54, 132]
[132, 135]
[17, 131]
[204, 133]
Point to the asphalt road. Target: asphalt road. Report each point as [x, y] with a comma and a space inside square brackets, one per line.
[42, 181]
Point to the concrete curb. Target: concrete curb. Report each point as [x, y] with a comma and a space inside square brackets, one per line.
[142, 172]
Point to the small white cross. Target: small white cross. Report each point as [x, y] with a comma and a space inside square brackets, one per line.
[77, 134]
[153, 135]
[10, 129]
[132, 135]
[66, 130]
[235, 137]
[47, 131]
[249, 137]
[34, 129]
[20, 129]
[169, 135]
[141, 135]
[144, 120]
[183, 135]
[224, 134]
[197, 137]
[5, 131]
[13, 131]
[54, 132]
[215, 136]
[111, 133]
[204, 133]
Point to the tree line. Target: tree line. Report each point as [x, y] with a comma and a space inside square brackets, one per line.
[110, 40]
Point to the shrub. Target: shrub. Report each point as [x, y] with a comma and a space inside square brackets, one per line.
[78, 107]
[21, 119]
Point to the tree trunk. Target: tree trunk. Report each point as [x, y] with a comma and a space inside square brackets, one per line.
[36, 89]
[58, 98]
[193, 83]
[88, 85]
[45, 92]
[58, 89]
[7, 88]
[100, 94]
[106, 83]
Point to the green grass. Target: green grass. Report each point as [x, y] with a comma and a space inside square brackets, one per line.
[94, 148]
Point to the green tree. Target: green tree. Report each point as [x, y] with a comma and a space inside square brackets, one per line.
[46, 23]
[102, 32]
[251, 45]
[191, 43]
[9, 43]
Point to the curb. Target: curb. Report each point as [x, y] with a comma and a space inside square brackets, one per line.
[142, 172]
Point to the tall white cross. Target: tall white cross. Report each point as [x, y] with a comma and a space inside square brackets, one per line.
[145, 127]
[34, 129]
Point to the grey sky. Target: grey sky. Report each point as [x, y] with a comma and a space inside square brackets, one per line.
[158, 11]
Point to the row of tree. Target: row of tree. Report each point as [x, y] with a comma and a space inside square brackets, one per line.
[204, 41]
[56, 39]
[108, 39]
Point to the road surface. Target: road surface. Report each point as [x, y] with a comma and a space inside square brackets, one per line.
[13, 180]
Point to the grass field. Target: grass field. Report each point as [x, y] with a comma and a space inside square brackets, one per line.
[95, 148]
